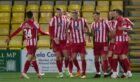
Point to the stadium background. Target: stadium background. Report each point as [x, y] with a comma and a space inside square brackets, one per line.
[12, 14]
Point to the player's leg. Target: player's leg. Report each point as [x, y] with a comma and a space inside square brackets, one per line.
[66, 59]
[104, 58]
[59, 63]
[110, 55]
[125, 61]
[83, 65]
[26, 66]
[35, 65]
[75, 62]
[116, 53]
[74, 58]
[105, 64]
[97, 66]
[97, 52]
[125, 64]
[114, 66]
[69, 50]
[70, 66]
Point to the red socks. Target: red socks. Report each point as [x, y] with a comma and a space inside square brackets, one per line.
[35, 66]
[26, 66]
[105, 65]
[70, 66]
[126, 64]
[110, 62]
[59, 65]
[83, 67]
[114, 64]
[66, 63]
[76, 64]
[97, 66]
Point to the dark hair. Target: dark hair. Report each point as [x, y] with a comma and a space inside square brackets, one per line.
[58, 9]
[118, 11]
[29, 14]
[96, 12]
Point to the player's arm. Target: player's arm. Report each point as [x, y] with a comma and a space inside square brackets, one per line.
[51, 28]
[92, 29]
[39, 29]
[41, 32]
[68, 29]
[127, 26]
[110, 28]
[87, 30]
[14, 34]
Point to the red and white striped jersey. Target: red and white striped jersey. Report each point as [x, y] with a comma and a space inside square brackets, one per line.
[30, 30]
[57, 27]
[77, 30]
[100, 30]
[112, 24]
[121, 35]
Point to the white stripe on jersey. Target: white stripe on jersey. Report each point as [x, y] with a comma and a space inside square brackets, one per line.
[80, 25]
[58, 27]
[55, 26]
[101, 35]
[36, 24]
[104, 34]
[31, 42]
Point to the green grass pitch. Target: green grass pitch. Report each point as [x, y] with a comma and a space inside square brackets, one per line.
[51, 77]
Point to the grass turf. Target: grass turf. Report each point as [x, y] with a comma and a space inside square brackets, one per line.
[51, 77]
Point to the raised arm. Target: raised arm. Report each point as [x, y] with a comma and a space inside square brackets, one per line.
[16, 32]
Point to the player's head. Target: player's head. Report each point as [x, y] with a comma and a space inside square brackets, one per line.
[118, 12]
[68, 15]
[29, 14]
[59, 12]
[74, 14]
[96, 15]
[111, 15]
[64, 13]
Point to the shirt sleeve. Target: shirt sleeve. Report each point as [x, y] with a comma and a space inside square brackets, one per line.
[129, 23]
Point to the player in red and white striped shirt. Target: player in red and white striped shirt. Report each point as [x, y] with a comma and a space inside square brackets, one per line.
[121, 44]
[67, 16]
[78, 27]
[112, 23]
[100, 29]
[57, 30]
[30, 30]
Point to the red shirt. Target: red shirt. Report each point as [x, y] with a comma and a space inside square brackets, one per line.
[122, 35]
[30, 30]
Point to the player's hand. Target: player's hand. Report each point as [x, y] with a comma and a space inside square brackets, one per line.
[7, 40]
[56, 40]
[47, 33]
